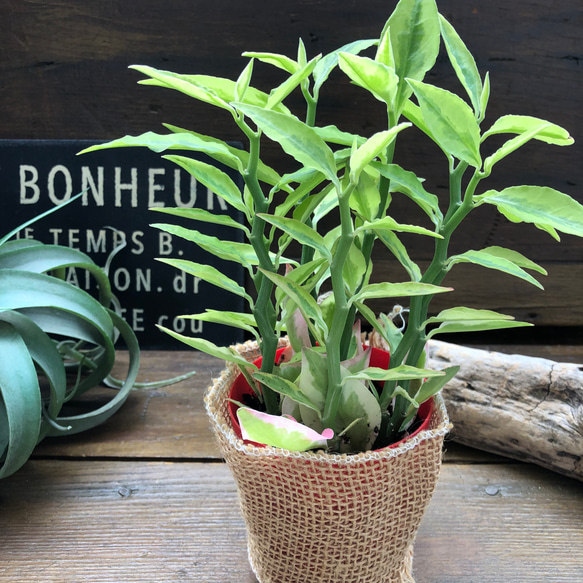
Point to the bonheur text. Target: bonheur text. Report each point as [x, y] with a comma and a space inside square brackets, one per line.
[118, 186]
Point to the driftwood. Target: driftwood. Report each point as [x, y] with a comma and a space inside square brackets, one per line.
[526, 408]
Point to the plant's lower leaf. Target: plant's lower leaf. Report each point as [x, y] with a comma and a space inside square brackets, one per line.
[475, 326]
[278, 431]
[284, 387]
[397, 290]
[222, 352]
[358, 403]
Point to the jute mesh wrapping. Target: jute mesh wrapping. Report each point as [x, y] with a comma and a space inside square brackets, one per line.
[320, 518]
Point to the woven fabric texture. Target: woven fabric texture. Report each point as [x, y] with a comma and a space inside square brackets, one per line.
[329, 518]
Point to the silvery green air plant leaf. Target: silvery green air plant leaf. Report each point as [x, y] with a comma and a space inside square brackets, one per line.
[48, 326]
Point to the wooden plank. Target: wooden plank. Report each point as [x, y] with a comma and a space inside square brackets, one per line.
[166, 522]
[559, 304]
[171, 423]
[162, 423]
[66, 76]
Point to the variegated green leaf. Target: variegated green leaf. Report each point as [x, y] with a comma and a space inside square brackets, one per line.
[300, 232]
[375, 146]
[463, 63]
[281, 432]
[296, 138]
[282, 386]
[204, 216]
[397, 290]
[492, 261]
[213, 178]
[450, 121]
[222, 352]
[242, 253]
[209, 274]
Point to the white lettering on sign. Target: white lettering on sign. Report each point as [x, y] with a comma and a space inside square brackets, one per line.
[88, 184]
[153, 187]
[177, 198]
[67, 192]
[124, 184]
[28, 180]
[131, 186]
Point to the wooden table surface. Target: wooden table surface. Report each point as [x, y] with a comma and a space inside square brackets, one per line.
[147, 498]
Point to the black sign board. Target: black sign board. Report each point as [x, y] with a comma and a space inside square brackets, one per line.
[122, 185]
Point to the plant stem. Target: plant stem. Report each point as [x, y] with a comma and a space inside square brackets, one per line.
[341, 310]
[412, 344]
[263, 310]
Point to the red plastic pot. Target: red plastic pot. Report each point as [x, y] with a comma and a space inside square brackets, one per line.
[241, 390]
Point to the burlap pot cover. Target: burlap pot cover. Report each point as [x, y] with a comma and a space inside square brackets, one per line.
[320, 518]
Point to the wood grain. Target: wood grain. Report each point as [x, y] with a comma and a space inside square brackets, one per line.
[163, 423]
[526, 408]
[559, 304]
[64, 74]
[166, 522]
[73, 516]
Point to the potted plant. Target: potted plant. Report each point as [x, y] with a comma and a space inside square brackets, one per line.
[333, 470]
[56, 343]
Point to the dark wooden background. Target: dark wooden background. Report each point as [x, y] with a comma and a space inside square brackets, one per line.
[63, 74]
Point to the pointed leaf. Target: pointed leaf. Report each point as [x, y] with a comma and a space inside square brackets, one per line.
[354, 269]
[410, 185]
[475, 326]
[243, 82]
[278, 94]
[234, 319]
[463, 63]
[282, 386]
[279, 61]
[327, 63]
[520, 124]
[299, 232]
[209, 274]
[539, 205]
[415, 38]
[202, 215]
[397, 290]
[389, 224]
[492, 261]
[296, 138]
[379, 79]
[213, 178]
[510, 146]
[451, 122]
[399, 373]
[222, 352]
[516, 258]
[242, 253]
[399, 251]
[463, 314]
[373, 147]
[175, 141]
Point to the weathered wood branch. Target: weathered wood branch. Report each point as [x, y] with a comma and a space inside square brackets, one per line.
[526, 408]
